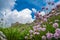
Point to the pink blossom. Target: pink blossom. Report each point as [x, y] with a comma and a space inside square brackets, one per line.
[36, 28]
[43, 37]
[55, 25]
[39, 28]
[43, 29]
[56, 35]
[57, 30]
[36, 33]
[49, 35]
[38, 25]
[31, 31]
[45, 19]
[41, 17]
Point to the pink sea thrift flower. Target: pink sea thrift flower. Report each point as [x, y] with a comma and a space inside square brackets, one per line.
[45, 19]
[57, 31]
[56, 35]
[36, 33]
[31, 31]
[49, 35]
[43, 37]
[36, 28]
[38, 25]
[55, 25]
[43, 29]
[39, 28]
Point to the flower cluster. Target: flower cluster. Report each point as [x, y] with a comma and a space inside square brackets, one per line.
[57, 33]
[40, 27]
[55, 25]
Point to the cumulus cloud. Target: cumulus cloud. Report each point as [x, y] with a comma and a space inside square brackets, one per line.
[23, 16]
[34, 10]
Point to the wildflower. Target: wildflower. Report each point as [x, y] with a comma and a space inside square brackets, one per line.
[43, 37]
[38, 25]
[39, 28]
[36, 28]
[31, 31]
[56, 35]
[43, 29]
[57, 30]
[55, 25]
[49, 35]
[45, 19]
[36, 33]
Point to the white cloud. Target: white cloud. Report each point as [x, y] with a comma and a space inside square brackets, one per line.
[34, 10]
[23, 16]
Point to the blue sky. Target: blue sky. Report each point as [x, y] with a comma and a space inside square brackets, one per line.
[38, 4]
[22, 4]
